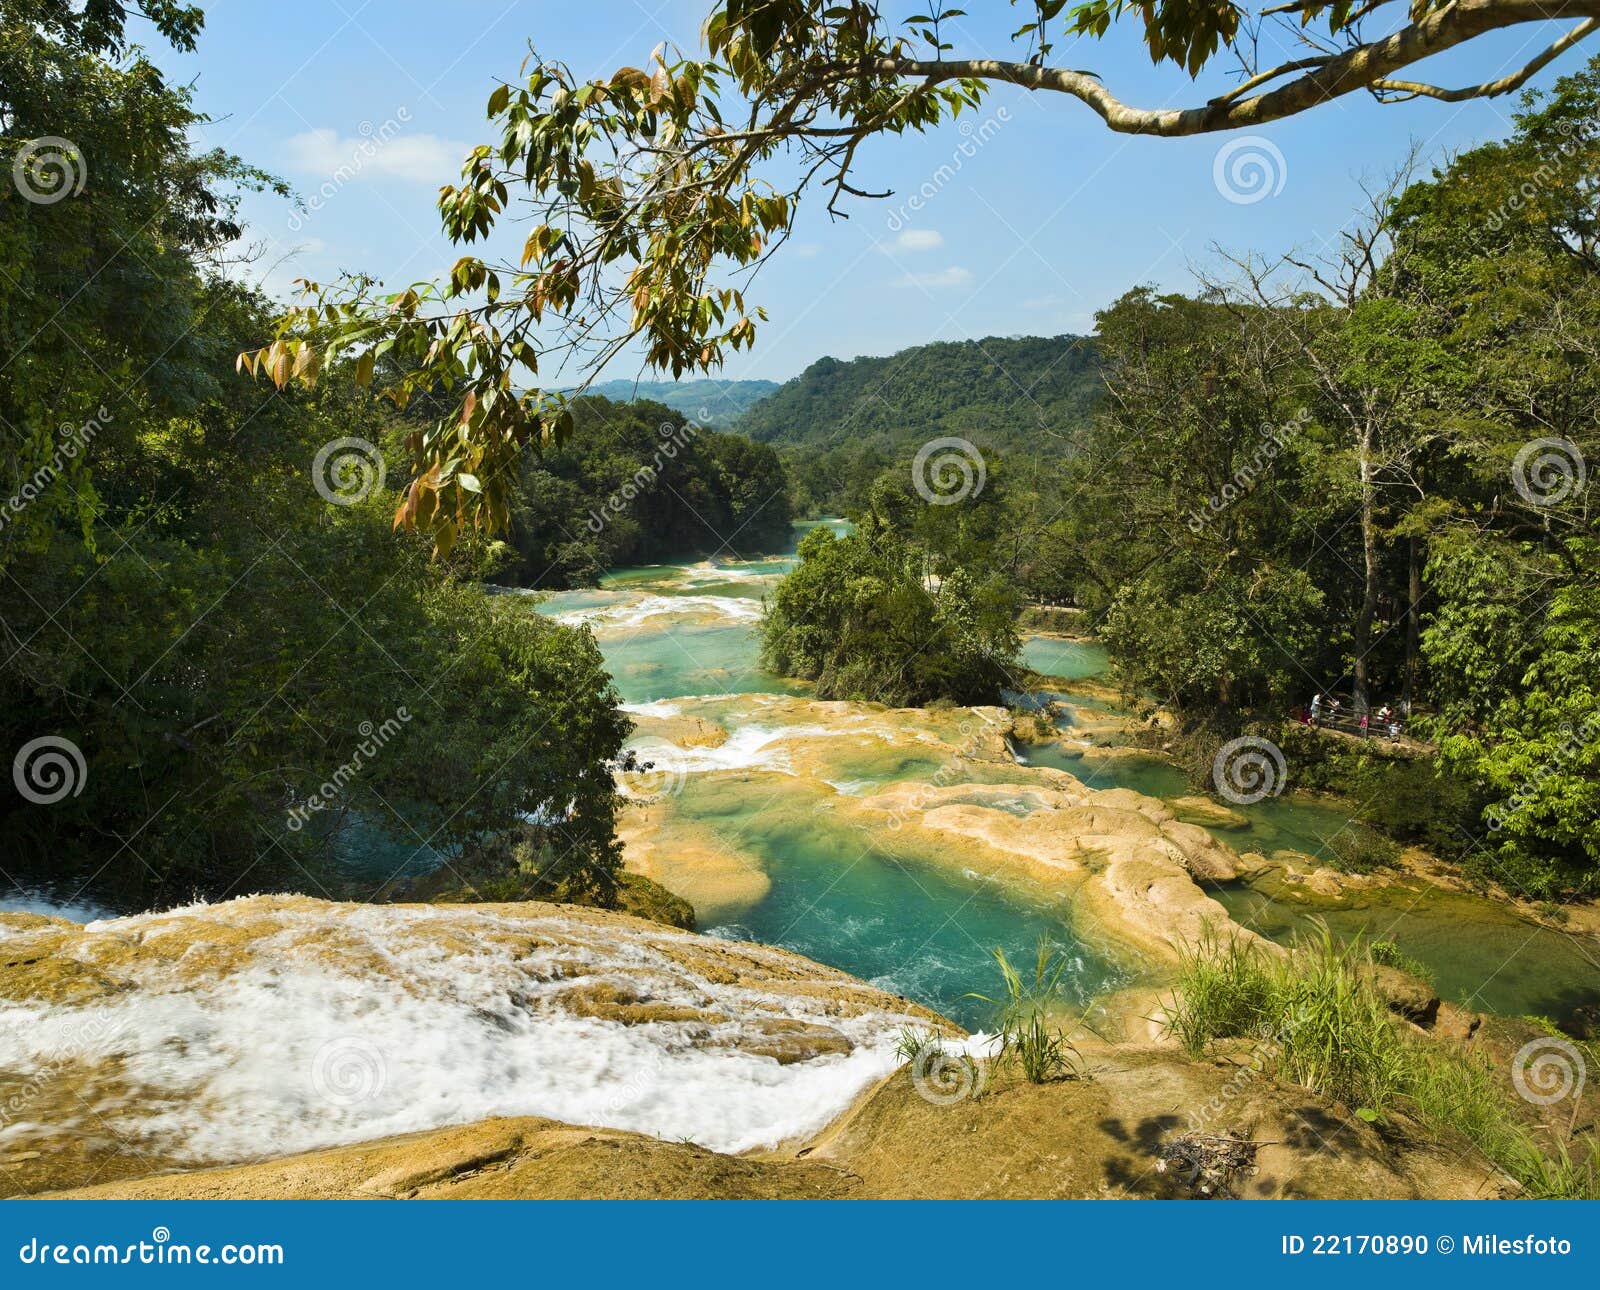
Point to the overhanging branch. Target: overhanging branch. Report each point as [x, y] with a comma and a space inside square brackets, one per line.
[1367, 66]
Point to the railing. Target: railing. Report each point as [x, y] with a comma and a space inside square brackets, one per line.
[1345, 720]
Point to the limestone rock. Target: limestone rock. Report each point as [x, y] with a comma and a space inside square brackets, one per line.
[1196, 809]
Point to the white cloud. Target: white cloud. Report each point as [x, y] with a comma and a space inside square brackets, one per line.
[386, 151]
[920, 239]
[954, 276]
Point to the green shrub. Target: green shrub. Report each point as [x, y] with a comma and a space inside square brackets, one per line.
[1389, 954]
[1358, 849]
[857, 616]
[1335, 1033]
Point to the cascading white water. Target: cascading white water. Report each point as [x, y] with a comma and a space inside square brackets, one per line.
[339, 1023]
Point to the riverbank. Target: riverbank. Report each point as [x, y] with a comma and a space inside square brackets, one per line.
[1095, 1138]
[1483, 946]
[526, 1050]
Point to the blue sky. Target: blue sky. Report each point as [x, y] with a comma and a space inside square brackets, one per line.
[1048, 219]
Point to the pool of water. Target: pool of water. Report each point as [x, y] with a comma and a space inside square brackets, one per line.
[1476, 953]
[922, 931]
[689, 632]
[926, 930]
[1069, 660]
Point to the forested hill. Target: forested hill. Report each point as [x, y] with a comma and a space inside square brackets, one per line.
[709, 402]
[1005, 394]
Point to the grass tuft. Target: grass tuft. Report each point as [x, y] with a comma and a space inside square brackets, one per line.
[1029, 1036]
[1324, 1026]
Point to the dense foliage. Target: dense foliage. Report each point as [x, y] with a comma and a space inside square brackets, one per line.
[842, 423]
[640, 484]
[1381, 487]
[864, 618]
[214, 675]
[1368, 477]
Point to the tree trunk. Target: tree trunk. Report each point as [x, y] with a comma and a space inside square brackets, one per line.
[1369, 556]
[1413, 621]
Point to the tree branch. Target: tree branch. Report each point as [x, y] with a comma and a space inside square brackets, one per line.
[1365, 66]
[1489, 89]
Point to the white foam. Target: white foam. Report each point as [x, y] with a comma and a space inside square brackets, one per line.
[751, 747]
[299, 1049]
[24, 900]
[657, 708]
[635, 612]
[707, 571]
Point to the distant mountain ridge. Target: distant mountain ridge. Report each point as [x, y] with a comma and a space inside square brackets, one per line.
[1011, 394]
[710, 401]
